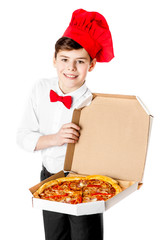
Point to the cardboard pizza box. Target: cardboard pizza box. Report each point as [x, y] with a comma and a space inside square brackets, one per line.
[115, 132]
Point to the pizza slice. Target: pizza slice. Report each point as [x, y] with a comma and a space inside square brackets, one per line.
[100, 188]
[66, 190]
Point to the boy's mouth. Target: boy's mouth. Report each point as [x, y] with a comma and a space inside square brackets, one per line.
[70, 76]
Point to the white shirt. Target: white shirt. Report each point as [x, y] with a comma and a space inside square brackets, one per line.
[43, 117]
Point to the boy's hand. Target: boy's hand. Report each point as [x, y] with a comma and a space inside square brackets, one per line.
[68, 133]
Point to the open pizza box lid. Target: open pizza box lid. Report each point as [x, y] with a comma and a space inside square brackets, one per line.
[114, 139]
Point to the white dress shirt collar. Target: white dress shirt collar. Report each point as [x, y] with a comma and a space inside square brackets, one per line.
[75, 94]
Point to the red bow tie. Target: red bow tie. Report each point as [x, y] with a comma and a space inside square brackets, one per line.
[67, 100]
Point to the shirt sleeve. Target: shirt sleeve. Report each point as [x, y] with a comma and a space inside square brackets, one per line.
[28, 131]
[86, 100]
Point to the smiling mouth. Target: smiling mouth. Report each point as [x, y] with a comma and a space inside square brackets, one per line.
[70, 76]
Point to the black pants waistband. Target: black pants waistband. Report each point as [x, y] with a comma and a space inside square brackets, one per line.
[45, 174]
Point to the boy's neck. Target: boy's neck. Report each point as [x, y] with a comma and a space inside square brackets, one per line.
[69, 90]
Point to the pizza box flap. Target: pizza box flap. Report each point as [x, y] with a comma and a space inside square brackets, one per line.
[53, 177]
[113, 138]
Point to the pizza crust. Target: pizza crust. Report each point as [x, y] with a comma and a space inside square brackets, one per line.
[44, 186]
[65, 179]
[103, 178]
[117, 188]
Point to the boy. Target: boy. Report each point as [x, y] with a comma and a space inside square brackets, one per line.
[47, 122]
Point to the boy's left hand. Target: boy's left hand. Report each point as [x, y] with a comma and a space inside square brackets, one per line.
[68, 133]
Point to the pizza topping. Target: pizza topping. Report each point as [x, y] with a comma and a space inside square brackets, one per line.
[57, 196]
[102, 194]
[76, 201]
[75, 185]
[91, 185]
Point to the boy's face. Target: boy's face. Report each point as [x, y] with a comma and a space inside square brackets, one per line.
[72, 67]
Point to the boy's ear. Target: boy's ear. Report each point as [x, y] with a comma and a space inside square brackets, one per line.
[54, 60]
[92, 65]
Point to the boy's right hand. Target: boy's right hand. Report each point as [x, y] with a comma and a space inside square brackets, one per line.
[68, 133]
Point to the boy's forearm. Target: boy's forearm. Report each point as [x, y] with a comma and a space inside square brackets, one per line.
[46, 141]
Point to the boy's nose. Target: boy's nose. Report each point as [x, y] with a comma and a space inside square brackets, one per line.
[71, 66]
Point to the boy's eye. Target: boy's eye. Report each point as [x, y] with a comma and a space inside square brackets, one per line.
[80, 61]
[64, 59]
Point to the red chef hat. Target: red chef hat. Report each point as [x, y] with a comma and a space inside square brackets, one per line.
[91, 31]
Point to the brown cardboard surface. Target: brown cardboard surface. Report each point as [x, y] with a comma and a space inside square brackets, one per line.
[114, 138]
[71, 146]
[55, 176]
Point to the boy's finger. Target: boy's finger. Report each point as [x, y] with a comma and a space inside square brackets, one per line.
[68, 140]
[71, 136]
[71, 125]
[71, 131]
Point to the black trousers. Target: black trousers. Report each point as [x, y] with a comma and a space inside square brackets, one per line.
[59, 226]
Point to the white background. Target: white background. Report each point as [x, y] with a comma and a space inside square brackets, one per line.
[29, 30]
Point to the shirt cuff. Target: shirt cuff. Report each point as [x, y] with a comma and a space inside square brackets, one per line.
[30, 141]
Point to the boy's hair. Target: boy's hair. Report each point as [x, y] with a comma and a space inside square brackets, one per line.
[66, 43]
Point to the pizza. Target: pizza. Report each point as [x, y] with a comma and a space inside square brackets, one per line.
[75, 190]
